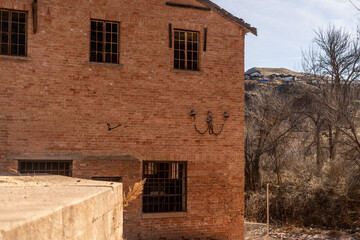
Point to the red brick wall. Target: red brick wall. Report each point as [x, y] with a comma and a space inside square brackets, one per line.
[54, 101]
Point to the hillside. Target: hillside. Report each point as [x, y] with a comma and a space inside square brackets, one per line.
[283, 80]
[273, 71]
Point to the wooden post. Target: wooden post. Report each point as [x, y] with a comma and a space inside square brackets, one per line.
[267, 212]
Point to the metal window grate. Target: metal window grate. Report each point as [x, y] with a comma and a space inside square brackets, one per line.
[186, 50]
[165, 187]
[12, 33]
[50, 167]
[104, 41]
[109, 179]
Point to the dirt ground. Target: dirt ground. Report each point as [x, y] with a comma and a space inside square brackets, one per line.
[258, 232]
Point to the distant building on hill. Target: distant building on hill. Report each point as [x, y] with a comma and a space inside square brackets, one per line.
[271, 74]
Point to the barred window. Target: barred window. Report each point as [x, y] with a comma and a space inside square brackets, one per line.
[104, 41]
[107, 179]
[165, 187]
[186, 50]
[12, 33]
[50, 167]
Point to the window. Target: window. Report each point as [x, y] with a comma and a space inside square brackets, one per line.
[108, 179]
[165, 187]
[12, 33]
[50, 167]
[186, 50]
[104, 41]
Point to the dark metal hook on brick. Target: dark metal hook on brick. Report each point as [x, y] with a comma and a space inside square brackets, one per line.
[209, 123]
[127, 220]
[111, 128]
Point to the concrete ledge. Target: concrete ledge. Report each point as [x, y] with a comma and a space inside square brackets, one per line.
[15, 58]
[42, 156]
[186, 71]
[164, 215]
[66, 156]
[57, 207]
[101, 64]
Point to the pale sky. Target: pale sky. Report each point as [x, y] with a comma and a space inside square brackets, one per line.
[285, 27]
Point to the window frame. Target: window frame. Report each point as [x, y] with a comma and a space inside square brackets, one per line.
[186, 50]
[10, 11]
[104, 41]
[42, 171]
[107, 178]
[183, 187]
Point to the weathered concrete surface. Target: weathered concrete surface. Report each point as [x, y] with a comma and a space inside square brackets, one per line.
[57, 207]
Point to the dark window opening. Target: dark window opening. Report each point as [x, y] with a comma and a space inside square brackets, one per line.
[108, 179]
[12, 33]
[104, 41]
[165, 187]
[50, 167]
[186, 50]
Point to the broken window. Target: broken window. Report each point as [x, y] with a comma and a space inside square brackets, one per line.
[50, 167]
[12, 33]
[186, 50]
[165, 187]
[104, 41]
[108, 179]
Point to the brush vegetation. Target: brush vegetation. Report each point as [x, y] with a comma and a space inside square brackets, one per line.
[133, 192]
[304, 139]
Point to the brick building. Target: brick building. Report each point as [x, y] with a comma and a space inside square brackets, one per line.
[103, 89]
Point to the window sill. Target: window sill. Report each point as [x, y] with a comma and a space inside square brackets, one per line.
[186, 71]
[105, 64]
[15, 58]
[164, 215]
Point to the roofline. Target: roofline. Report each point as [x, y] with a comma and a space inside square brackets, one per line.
[238, 21]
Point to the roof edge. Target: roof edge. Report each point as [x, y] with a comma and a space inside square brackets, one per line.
[238, 21]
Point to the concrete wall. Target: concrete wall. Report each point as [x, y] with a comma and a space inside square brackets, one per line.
[56, 207]
[55, 102]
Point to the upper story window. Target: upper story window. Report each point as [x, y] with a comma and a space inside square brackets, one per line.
[165, 187]
[104, 41]
[12, 33]
[186, 45]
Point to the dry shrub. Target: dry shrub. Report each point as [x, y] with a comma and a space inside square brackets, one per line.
[133, 192]
[305, 205]
[14, 171]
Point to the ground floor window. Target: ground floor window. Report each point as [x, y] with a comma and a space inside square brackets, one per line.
[107, 179]
[50, 167]
[165, 187]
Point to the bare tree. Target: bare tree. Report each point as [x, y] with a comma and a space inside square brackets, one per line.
[356, 5]
[308, 103]
[269, 122]
[333, 63]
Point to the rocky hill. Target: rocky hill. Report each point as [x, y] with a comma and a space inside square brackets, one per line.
[281, 79]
